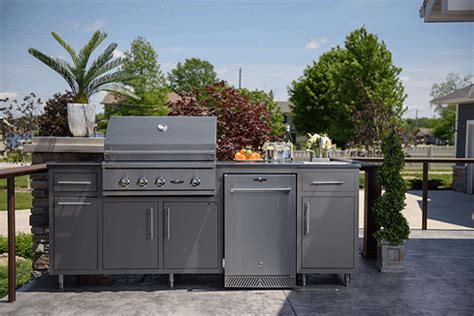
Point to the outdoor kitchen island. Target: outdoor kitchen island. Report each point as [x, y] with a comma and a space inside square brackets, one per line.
[259, 224]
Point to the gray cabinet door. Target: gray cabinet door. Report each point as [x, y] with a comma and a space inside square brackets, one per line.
[190, 235]
[75, 233]
[328, 232]
[130, 239]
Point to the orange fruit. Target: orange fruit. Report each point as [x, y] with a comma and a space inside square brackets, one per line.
[258, 156]
[242, 151]
[253, 156]
[239, 156]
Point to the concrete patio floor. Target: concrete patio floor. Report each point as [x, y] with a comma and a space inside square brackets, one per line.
[439, 280]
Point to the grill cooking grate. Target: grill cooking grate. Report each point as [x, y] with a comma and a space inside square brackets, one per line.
[257, 281]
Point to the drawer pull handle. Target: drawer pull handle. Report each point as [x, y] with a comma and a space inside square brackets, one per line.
[151, 223]
[251, 190]
[74, 203]
[327, 182]
[75, 182]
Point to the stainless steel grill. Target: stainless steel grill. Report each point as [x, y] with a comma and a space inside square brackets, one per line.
[160, 156]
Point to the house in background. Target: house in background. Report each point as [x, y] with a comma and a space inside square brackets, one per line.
[288, 119]
[463, 174]
[447, 10]
[424, 136]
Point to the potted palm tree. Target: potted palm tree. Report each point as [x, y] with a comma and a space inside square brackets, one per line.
[85, 81]
[394, 229]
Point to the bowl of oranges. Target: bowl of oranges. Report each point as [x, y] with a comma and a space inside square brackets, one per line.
[247, 155]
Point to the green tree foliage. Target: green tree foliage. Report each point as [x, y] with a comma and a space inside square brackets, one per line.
[146, 78]
[352, 93]
[84, 81]
[276, 120]
[444, 129]
[388, 208]
[369, 84]
[314, 105]
[193, 74]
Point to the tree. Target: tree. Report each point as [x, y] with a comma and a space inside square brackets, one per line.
[444, 129]
[388, 208]
[146, 78]
[314, 105]
[352, 93]
[240, 123]
[18, 122]
[53, 121]
[368, 83]
[84, 81]
[193, 74]
[276, 119]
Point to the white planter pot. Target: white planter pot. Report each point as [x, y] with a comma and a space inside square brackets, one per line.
[81, 119]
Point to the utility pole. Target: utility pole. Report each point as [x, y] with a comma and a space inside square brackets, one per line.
[240, 77]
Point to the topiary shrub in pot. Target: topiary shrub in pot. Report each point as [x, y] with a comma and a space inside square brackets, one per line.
[388, 208]
[85, 81]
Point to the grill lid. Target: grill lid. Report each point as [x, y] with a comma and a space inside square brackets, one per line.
[160, 138]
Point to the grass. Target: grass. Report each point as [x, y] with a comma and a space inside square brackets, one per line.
[20, 182]
[413, 179]
[23, 275]
[22, 200]
[24, 249]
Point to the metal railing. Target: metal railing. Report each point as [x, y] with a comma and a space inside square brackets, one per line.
[373, 190]
[10, 175]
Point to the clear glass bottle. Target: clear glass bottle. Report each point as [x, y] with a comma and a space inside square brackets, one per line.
[288, 145]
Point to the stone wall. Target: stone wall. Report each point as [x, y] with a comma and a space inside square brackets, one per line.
[460, 179]
[39, 218]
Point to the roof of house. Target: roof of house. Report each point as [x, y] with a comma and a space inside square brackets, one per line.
[424, 132]
[112, 98]
[463, 95]
[284, 106]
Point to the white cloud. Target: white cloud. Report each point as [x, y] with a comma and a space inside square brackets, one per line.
[315, 43]
[404, 78]
[10, 95]
[118, 53]
[95, 26]
[221, 71]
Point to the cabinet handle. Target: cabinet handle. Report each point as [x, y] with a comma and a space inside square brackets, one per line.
[151, 223]
[327, 182]
[256, 190]
[74, 203]
[168, 218]
[75, 182]
[306, 218]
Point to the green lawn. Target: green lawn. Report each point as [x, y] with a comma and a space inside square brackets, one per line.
[22, 200]
[23, 275]
[20, 182]
[413, 179]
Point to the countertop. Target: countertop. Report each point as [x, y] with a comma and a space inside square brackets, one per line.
[288, 165]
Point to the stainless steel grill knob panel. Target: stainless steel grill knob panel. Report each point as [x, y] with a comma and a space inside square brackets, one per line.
[142, 182]
[195, 182]
[124, 182]
[160, 182]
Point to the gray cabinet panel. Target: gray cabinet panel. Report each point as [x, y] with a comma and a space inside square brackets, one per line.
[130, 235]
[75, 182]
[328, 232]
[328, 181]
[75, 233]
[190, 235]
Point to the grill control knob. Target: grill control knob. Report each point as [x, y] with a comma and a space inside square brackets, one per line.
[195, 182]
[160, 182]
[124, 182]
[142, 182]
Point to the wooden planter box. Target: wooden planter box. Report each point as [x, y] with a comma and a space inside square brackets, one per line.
[390, 257]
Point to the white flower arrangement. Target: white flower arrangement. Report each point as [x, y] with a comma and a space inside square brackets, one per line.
[322, 142]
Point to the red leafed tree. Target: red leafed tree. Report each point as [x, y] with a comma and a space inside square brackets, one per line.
[240, 123]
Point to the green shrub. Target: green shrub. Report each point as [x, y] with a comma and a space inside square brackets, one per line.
[388, 208]
[24, 245]
[23, 275]
[433, 184]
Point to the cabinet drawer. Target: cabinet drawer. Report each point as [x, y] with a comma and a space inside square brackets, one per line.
[327, 181]
[75, 182]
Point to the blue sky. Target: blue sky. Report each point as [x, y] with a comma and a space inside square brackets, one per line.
[272, 40]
